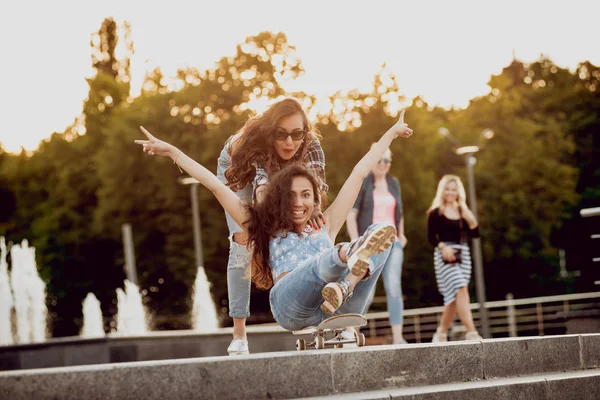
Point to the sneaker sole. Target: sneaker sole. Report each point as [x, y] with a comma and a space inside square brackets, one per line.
[333, 299]
[377, 242]
[238, 353]
[478, 337]
[439, 338]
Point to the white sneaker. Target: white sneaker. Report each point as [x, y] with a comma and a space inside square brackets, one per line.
[473, 335]
[439, 336]
[238, 346]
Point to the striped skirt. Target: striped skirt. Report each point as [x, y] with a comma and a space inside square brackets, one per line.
[451, 277]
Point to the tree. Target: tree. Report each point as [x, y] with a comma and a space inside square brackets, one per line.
[524, 184]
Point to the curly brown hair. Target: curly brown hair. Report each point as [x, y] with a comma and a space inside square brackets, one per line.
[256, 143]
[272, 216]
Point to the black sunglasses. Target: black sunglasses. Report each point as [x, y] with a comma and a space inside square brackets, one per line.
[385, 161]
[283, 135]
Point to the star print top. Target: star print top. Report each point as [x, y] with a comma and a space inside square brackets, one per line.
[290, 250]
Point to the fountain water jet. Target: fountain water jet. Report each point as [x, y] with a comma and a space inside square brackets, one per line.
[6, 298]
[93, 326]
[131, 316]
[29, 294]
[204, 311]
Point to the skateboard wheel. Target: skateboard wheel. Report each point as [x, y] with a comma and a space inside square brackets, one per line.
[360, 339]
[319, 342]
[300, 344]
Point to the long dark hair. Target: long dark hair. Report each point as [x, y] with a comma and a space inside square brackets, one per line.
[256, 143]
[272, 216]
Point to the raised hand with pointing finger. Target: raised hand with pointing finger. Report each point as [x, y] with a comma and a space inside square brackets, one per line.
[154, 146]
[402, 129]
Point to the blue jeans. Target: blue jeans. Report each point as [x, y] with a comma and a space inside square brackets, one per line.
[296, 298]
[238, 286]
[392, 281]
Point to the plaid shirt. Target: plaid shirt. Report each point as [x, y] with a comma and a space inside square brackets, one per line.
[314, 160]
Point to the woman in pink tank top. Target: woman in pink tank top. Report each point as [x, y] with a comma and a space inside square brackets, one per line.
[380, 201]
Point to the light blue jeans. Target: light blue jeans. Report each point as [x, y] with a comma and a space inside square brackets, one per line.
[392, 281]
[296, 298]
[238, 286]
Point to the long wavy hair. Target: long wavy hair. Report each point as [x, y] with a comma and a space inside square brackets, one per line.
[271, 217]
[438, 200]
[256, 143]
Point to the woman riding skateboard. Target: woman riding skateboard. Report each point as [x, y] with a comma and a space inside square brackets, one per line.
[310, 278]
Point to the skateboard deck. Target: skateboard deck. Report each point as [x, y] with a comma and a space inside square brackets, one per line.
[333, 326]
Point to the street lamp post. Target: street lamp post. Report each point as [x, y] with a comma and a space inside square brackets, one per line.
[470, 161]
[195, 218]
[477, 258]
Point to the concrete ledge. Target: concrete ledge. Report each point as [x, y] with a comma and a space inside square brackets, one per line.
[590, 351]
[309, 373]
[406, 365]
[584, 385]
[254, 376]
[526, 356]
[577, 386]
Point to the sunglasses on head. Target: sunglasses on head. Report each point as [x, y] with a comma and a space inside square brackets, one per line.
[384, 161]
[283, 135]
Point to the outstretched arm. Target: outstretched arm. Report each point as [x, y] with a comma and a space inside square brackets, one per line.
[338, 211]
[228, 199]
[352, 224]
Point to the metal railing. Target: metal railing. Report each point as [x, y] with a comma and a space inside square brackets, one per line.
[590, 212]
[507, 318]
[595, 236]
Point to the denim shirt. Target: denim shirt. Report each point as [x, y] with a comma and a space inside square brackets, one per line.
[223, 163]
[289, 250]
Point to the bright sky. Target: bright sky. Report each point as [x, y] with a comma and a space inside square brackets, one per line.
[442, 50]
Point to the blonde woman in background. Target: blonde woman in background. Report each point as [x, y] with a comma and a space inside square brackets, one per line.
[450, 223]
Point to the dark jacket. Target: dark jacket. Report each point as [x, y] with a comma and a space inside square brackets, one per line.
[442, 229]
[364, 201]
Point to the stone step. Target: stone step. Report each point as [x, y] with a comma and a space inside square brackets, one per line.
[309, 373]
[580, 385]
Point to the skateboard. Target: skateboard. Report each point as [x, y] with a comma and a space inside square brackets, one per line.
[328, 333]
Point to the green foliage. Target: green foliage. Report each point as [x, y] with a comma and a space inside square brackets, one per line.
[524, 183]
